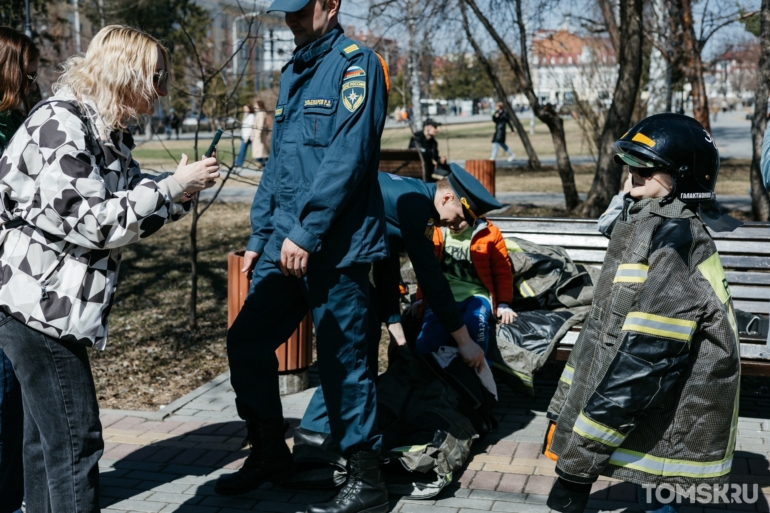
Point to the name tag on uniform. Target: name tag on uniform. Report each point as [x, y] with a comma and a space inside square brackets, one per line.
[319, 103]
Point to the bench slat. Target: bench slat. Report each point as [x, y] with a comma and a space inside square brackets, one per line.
[565, 241]
[747, 278]
[743, 292]
[755, 307]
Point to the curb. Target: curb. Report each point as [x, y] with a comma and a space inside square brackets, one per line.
[173, 406]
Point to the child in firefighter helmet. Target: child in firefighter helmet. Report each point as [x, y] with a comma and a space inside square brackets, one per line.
[650, 392]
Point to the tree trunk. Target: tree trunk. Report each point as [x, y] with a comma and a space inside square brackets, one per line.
[760, 201]
[693, 65]
[606, 182]
[194, 265]
[534, 161]
[414, 76]
[546, 113]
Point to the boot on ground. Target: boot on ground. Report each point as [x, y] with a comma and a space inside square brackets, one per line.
[270, 460]
[364, 491]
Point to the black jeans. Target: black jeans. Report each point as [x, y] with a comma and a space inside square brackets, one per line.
[11, 437]
[62, 433]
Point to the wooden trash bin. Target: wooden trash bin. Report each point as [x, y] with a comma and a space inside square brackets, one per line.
[296, 354]
[483, 171]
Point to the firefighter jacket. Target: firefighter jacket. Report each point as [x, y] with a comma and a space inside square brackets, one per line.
[650, 392]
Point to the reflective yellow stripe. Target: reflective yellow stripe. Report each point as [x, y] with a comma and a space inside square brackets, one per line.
[712, 270]
[660, 326]
[567, 374]
[631, 273]
[527, 380]
[524, 288]
[592, 430]
[669, 467]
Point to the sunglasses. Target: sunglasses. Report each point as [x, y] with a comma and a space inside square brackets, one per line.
[32, 78]
[160, 77]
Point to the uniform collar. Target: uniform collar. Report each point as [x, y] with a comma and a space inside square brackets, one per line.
[647, 207]
[310, 52]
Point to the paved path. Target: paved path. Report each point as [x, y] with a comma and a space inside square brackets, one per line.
[168, 464]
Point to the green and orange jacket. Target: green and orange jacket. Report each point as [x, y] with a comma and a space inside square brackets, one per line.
[490, 259]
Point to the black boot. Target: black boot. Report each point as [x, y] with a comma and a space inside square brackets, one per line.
[270, 460]
[364, 491]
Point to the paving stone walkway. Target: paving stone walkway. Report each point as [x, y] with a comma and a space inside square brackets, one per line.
[164, 462]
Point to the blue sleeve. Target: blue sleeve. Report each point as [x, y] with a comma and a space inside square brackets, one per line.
[262, 210]
[347, 159]
[764, 163]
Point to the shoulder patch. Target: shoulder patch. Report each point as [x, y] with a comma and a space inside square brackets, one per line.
[351, 50]
[353, 93]
[675, 234]
[354, 72]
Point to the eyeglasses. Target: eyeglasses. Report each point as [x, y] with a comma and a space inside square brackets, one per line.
[160, 77]
[32, 78]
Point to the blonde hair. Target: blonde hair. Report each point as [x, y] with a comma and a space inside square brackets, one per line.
[116, 73]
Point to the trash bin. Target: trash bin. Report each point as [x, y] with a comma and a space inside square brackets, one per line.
[484, 171]
[296, 354]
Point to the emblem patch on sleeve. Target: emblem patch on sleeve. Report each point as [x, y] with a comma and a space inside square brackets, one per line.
[353, 88]
[429, 229]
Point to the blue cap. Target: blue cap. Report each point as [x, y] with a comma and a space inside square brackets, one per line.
[475, 198]
[287, 5]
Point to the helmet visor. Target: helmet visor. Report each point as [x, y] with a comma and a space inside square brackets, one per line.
[636, 161]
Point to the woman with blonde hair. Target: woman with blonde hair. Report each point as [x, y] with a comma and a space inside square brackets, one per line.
[260, 149]
[71, 197]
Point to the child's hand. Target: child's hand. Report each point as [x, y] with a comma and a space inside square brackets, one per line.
[505, 314]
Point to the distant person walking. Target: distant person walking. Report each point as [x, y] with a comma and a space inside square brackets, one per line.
[18, 73]
[260, 149]
[247, 129]
[173, 124]
[502, 121]
[71, 197]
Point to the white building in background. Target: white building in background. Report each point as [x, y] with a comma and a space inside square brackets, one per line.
[567, 67]
[732, 79]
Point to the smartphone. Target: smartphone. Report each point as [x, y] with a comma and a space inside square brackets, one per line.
[214, 143]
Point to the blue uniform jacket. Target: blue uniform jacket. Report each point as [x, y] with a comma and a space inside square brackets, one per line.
[411, 216]
[320, 187]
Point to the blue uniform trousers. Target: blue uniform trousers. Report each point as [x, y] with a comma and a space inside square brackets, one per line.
[339, 300]
[11, 439]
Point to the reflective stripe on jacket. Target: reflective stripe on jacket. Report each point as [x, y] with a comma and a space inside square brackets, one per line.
[650, 391]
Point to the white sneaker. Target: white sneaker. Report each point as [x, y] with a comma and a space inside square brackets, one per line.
[510, 159]
[492, 159]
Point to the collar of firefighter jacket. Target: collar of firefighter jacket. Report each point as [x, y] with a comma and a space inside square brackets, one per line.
[321, 46]
[647, 207]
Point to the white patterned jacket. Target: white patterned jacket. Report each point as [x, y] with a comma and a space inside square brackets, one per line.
[69, 202]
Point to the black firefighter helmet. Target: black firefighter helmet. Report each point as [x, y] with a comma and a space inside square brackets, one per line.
[679, 145]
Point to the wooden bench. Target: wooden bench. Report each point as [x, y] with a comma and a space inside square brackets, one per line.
[403, 163]
[745, 255]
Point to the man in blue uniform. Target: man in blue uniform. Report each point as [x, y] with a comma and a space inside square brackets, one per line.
[317, 225]
[412, 209]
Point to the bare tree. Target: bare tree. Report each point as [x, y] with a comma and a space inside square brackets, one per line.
[760, 200]
[519, 65]
[212, 76]
[534, 161]
[607, 178]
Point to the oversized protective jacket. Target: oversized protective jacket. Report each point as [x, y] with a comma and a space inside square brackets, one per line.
[650, 391]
